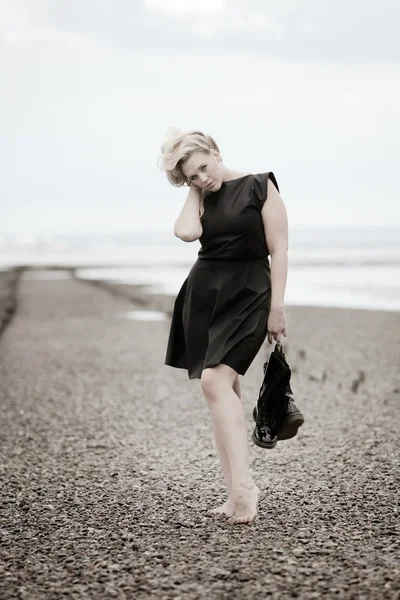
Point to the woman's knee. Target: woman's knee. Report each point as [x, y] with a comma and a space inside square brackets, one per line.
[214, 379]
[209, 382]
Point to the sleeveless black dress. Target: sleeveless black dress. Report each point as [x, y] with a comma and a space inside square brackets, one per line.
[221, 311]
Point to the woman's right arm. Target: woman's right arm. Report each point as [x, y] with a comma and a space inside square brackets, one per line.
[188, 226]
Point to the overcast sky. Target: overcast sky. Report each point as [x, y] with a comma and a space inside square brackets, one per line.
[307, 89]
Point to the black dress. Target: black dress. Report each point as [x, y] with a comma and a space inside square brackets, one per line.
[221, 311]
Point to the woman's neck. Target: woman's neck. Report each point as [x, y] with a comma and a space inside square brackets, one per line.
[229, 174]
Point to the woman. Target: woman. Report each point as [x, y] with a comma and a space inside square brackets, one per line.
[231, 299]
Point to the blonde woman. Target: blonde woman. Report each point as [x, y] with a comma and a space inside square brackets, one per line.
[232, 299]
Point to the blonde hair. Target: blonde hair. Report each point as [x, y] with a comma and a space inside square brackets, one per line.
[177, 147]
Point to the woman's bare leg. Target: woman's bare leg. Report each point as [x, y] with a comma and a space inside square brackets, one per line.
[228, 507]
[230, 426]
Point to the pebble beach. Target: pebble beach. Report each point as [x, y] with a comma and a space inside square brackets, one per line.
[108, 465]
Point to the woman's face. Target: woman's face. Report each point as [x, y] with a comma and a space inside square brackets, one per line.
[204, 170]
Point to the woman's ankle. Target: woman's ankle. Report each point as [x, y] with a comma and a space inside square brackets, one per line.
[242, 482]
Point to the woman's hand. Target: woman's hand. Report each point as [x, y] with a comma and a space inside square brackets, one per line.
[277, 325]
[193, 186]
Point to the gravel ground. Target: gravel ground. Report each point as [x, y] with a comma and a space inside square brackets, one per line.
[108, 466]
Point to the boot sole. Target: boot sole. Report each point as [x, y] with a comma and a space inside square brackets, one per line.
[258, 443]
[289, 430]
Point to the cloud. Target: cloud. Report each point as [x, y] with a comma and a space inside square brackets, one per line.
[346, 31]
[42, 35]
[12, 15]
[187, 7]
[348, 99]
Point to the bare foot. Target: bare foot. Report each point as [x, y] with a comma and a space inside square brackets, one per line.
[246, 500]
[227, 509]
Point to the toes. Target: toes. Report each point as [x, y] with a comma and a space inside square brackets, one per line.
[217, 513]
[244, 519]
[236, 521]
[252, 518]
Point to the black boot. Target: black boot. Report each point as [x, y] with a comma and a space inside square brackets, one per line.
[266, 437]
[276, 415]
[293, 420]
[271, 410]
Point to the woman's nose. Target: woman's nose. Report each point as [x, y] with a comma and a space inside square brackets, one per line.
[203, 178]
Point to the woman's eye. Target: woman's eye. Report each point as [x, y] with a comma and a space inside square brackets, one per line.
[202, 168]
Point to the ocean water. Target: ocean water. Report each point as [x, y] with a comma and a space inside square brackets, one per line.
[354, 268]
[366, 286]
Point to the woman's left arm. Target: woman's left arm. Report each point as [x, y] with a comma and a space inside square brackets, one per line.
[275, 223]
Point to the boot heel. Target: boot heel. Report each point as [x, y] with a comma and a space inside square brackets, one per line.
[291, 426]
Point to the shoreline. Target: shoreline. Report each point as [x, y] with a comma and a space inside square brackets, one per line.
[128, 260]
[137, 293]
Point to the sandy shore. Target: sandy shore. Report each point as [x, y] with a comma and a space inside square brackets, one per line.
[108, 466]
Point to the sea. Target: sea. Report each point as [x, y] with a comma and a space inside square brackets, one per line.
[350, 268]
